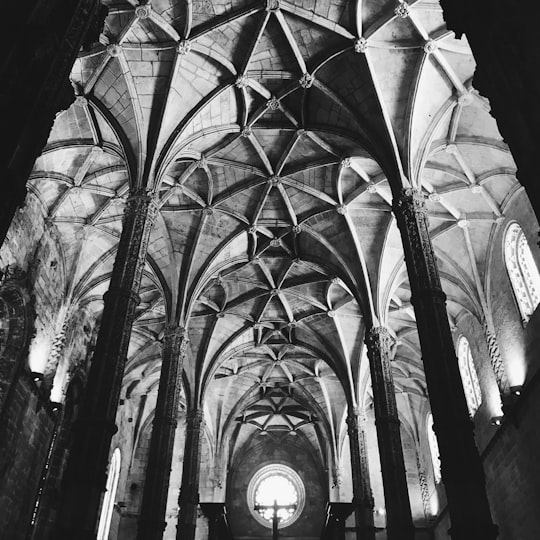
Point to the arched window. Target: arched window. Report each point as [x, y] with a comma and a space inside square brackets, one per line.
[522, 271]
[276, 483]
[469, 377]
[108, 499]
[433, 449]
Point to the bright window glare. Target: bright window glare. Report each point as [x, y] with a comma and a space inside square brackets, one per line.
[276, 488]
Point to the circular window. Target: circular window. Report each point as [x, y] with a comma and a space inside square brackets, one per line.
[276, 485]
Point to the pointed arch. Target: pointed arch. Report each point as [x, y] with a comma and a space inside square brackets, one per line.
[522, 271]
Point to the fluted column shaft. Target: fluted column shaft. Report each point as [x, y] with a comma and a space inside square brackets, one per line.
[188, 501]
[462, 471]
[363, 497]
[156, 487]
[85, 475]
[399, 524]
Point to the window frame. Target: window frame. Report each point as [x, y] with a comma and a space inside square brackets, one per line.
[469, 376]
[524, 279]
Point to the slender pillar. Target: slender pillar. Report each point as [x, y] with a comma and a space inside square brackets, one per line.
[156, 486]
[188, 501]
[462, 471]
[362, 495]
[85, 476]
[399, 524]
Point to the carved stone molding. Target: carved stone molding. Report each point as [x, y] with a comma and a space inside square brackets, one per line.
[398, 511]
[461, 466]
[189, 492]
[156, 487]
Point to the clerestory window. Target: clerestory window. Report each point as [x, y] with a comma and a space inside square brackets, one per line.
[469, 377]
[522, 271]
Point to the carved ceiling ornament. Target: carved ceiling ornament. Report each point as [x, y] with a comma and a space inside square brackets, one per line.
[361, 45]
[402, 9]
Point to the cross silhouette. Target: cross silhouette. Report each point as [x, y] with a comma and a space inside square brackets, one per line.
[275, 518]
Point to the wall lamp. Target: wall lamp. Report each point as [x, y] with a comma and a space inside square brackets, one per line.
[516, 390]
[496, 420]
[36, 376]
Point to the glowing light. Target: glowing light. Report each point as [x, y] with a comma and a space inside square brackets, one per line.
[276, 488]
[38, 354]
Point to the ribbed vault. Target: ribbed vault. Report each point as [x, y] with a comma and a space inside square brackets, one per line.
[272, 134]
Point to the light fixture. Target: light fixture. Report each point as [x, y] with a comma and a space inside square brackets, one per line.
[55, 406]
[516, 390]
[37, 377]
[264, 432]
[496, 420]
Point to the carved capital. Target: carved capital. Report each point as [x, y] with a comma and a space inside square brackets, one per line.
[411, 213]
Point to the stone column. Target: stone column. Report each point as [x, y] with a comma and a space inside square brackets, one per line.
[55, 356]
[188, 501]
[399, 524]
[85, 476]
[156, 486]
[462, 471]
[362, 495]
[40, 49]
[504, 42]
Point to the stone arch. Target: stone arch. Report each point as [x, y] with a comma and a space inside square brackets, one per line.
[15, 327]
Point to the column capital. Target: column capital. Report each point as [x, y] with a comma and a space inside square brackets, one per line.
[411, 200]
[379, 342]
[354, 418]
[141, 201]
[379, 333]
[175, 339]
[412, 218]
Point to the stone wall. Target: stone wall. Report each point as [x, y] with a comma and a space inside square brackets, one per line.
[26, 427]
[243, 524]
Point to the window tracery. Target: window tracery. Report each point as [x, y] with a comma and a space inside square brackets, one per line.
[522, 271]
[109, 497]
[279, 483]
[469, 376]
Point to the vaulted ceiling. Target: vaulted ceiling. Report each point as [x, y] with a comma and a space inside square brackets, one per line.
[269, 133]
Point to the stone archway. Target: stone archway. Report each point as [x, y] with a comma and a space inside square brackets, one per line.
[15, 327]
